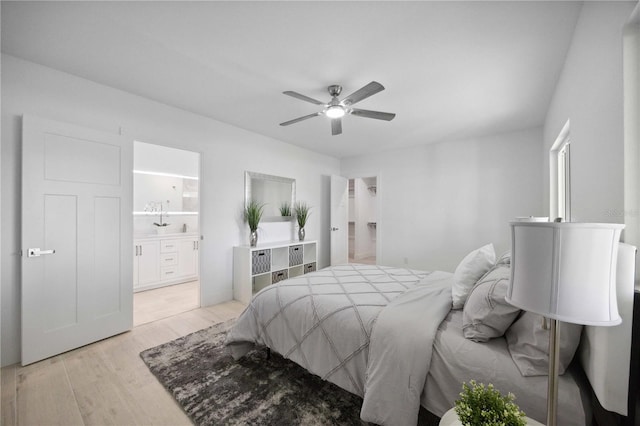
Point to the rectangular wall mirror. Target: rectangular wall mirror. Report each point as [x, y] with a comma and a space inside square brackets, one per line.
[272, 191]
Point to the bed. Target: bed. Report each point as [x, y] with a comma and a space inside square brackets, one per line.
[390, 336]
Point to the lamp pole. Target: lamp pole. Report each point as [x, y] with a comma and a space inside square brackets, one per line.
[554, 366]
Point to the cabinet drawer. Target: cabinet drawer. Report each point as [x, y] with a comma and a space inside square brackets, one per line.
[168, 246]
[310, 267]
[168, 259]
[260, 261]
[295, 255]
[168, 272]
[279, 276]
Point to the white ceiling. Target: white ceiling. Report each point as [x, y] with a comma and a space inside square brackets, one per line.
[452, 70]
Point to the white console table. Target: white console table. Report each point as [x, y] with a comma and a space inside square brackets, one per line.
[255, 268]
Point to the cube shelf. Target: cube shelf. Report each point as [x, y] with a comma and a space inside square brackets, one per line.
[255, 268]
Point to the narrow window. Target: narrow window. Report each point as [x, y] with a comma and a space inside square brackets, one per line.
[560, 165]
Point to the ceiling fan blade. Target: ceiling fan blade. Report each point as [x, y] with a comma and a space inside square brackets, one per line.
[373, 114]
[364, 92]
[303, 97]
[336, 126]
[295, 120]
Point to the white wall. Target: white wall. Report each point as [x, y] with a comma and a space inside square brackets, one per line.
[590, 94]
[632, 131]
[226, 152]
[440, 201]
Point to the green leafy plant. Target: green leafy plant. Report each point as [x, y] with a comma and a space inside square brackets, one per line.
[301, 212]
[486, 406]
[285, 209]
[253, 214]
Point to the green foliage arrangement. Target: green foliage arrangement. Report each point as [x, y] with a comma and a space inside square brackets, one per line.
[253, 214]
[285, 209]
[480, 406]
[301, 211]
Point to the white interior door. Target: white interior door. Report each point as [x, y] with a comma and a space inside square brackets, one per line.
[339, 220]
[76, 237]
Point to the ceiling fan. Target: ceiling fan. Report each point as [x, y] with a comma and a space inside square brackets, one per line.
[336, 109]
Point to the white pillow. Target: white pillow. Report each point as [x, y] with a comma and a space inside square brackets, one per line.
[528, 343]
[469, 271]
[486, 314]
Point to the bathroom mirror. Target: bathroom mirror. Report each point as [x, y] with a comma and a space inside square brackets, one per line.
[272, 191]
[178, 194]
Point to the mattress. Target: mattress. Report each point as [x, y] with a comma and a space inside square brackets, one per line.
[366, 328]
[456, 360]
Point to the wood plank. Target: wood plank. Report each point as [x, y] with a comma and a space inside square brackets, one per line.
[8, 401]
[94, 384]
[106, 382]
[44, 395]
[227, 310]
[190, 322]
[151, 404]
[152, 305]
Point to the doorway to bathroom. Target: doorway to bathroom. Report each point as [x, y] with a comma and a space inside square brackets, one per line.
[363, 222]
[166, 229]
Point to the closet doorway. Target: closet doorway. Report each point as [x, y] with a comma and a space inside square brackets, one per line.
[166, 229]
[363, 221]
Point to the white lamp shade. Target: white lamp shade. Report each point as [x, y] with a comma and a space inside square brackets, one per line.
[565, 271]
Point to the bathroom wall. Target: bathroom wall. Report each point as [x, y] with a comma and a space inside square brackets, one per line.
[168, 179]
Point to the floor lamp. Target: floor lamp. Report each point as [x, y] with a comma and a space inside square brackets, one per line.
[565, 272]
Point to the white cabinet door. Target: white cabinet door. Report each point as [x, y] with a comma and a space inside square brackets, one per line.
[148, 262]
[188, 254]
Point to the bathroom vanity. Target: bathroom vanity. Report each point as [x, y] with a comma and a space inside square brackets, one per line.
[161, 260]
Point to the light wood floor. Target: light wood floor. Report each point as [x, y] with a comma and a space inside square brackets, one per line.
[371, 260]
[152, 305]
[105, 383]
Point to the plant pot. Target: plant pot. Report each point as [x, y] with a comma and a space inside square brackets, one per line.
[450, 418]
[253, 240]
[301, 234]
[161, 229]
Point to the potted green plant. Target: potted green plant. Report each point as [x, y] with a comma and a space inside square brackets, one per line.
[252, 215]
[301, 212]
[486, 406]
[285, 209]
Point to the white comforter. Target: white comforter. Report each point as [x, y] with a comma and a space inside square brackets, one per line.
[369, 329]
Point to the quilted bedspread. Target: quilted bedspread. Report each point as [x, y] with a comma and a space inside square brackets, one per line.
[367, 328]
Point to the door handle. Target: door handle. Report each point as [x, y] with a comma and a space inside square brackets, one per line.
[333, 228]
[36, 252]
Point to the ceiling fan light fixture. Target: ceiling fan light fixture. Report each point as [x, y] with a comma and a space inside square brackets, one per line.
[336, 108]
[335, 111]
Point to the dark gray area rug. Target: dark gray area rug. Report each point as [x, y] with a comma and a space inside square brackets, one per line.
[214, 389]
